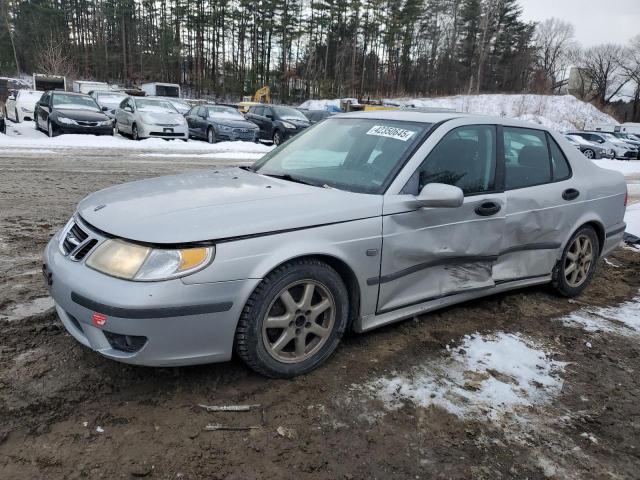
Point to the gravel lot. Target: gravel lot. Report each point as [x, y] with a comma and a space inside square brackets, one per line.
[65, 412]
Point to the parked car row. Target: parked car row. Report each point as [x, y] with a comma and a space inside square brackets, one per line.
[596, 144]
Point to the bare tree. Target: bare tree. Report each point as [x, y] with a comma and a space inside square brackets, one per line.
[553, 40]
[602, 65]
[631, 70]
[54, 59]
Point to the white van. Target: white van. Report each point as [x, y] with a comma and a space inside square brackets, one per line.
[157, 89]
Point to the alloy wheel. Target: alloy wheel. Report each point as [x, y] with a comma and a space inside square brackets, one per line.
[578, 261]
[299, 321]
[134, 132]
[276, 139]
[49, 128]
[589, 154]
[210, 136]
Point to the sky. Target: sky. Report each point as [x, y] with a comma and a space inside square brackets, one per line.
[595, 21]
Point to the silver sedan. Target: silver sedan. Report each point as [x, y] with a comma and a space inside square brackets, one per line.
[363, 220]
[143, 117]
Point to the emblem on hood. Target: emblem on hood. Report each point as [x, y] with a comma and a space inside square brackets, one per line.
[99, 207]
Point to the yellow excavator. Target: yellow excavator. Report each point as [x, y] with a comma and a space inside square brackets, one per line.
[262, 95]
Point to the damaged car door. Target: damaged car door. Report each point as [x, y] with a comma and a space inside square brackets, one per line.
[429, 253]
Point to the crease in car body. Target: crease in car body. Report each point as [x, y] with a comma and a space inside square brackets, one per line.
[460, 208]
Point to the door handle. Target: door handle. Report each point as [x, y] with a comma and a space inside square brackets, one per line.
[570, 194]
[487, 209]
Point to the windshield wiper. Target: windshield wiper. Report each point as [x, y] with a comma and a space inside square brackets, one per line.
[286, 176]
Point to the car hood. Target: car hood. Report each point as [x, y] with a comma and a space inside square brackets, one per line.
[297, 122]
[83, 115]
[218, 204]
[160, 117]
[233, 123]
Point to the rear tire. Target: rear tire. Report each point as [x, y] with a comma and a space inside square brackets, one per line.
[294, 319]
[134, 132]
[577, 266]
[277, 138]
[211, 135]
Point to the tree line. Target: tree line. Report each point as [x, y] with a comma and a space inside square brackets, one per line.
[300, 48]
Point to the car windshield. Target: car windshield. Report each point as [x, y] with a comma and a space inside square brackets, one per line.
[611, 137]
[181, 107]
[227, 112]
[80, 102]
[155, 106]
[358, 155]
[288, 113]
[111, 99]
[578, 139]
[30, 96]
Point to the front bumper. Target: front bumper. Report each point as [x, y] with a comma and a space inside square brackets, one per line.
[167, 323]
[61, 128]
[160, 131]
[232, 136]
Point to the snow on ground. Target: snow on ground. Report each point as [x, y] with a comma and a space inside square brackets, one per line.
[24, 135]
[560, 112]
[623, 319]
[485, 377]
[626, 167]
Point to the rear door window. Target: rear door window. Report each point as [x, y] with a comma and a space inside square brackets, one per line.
[527, 161]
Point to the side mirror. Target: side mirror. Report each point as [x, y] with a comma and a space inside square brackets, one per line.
[439, 195]
[269, 116]
[104, 109]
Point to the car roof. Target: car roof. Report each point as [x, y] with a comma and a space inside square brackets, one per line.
[436, 117]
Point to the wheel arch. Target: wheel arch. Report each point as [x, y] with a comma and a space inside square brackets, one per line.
[597, 225]
[346, 273]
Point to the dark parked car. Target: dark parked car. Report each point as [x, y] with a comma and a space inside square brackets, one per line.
[3, 124]
[316, 116]
[277, 123]
[65, 112]
[219, 122]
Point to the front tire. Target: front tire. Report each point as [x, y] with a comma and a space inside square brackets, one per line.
[211, 135]
[294, 319]
[50, 130]
[17, 116]
[277, 138]
[134, 132]
[590, 154]
[577, 266]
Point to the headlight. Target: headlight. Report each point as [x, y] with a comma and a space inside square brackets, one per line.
[180, 120]
[288, 125]
[130, 261]
[224, 128]
[105, 123]
[67, 121]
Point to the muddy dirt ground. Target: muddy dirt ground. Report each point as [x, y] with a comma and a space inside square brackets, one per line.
[54, 393]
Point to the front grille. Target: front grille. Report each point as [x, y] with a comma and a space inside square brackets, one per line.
[76, 242]
[74, 237]
[167, 124]
[244, 133]
[87, 124]
[125, 343]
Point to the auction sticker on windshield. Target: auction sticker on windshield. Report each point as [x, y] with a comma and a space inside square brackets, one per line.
[391, 132]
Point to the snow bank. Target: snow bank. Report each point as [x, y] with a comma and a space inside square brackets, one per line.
[622, 320]
[485, 377]
[560, 112]
[24, 135]
[626, 167]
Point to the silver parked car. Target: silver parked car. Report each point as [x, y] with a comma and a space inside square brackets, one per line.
[143, 117]
[360, 221]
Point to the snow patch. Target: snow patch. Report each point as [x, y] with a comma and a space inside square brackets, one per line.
[485, 377]
[24, 135]
[623, 319]
[26, 310]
